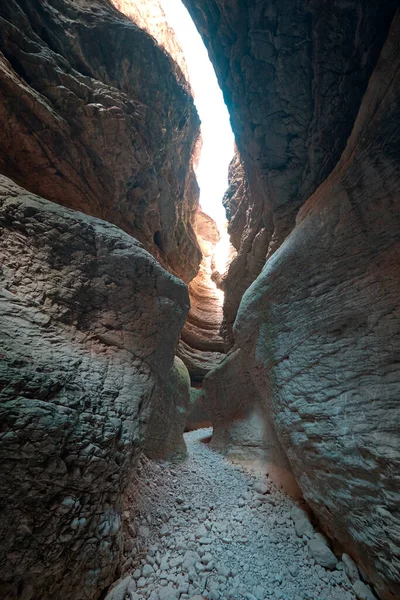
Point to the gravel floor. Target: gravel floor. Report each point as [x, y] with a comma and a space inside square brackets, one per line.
[212, 528]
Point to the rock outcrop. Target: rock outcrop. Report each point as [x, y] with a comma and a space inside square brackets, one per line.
[320, 325]
[164, 436]
[96, 117]
[89, 323]
[242, 428]
[150, 15]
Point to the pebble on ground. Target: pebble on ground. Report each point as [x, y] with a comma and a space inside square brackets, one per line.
[207, 528]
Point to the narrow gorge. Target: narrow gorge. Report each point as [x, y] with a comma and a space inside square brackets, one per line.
[186, 413]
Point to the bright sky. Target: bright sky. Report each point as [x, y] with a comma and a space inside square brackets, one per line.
[217, 152]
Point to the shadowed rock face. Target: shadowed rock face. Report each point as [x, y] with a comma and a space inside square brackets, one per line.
[164, 437]
[319, 327]
[89, 323]
[98, 118]
[242, 428]
[293, 74]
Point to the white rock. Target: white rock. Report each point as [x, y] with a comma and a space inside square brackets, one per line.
[363, 591]
[322, 553]
[350, 568]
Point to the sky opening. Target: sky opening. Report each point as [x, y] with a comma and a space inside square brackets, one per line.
[216, 132]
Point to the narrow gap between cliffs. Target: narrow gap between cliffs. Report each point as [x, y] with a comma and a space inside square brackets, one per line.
[216, 133]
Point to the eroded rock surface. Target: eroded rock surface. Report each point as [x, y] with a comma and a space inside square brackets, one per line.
[242, 429]
[150, 15]
[89, 324]
[164, 436]
[321, 325]
[293, 75]
[98, 118]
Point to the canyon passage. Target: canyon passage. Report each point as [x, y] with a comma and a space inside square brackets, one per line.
[192, 409]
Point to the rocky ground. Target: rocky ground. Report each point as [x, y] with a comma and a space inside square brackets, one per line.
[212, 529]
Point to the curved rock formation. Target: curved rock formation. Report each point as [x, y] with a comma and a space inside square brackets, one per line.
[89, 324]
[242, 428]
[293, 75]
[150, 16]
[202, 346]
[98, 118]
[319, 327]
[322, 325]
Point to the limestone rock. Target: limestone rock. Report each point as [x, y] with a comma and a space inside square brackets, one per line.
[149, 15]
[322, 553]
[201, 340]
[89, 323]
[241, 428]
[362, 591]
[100, 119]
[302, 523]
[164, 438]
[120, 591]
[317, 131]
[350, 568]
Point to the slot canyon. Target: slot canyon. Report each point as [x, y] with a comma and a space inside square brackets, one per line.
[194, 410]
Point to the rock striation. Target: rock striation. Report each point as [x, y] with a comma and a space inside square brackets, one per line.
[202, 346]
[313, 92]
[89, 323]
[98, 118]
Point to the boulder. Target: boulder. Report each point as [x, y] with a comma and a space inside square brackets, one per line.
[322, 553]
[164, 438]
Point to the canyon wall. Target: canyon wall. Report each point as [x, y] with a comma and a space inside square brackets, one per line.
[98, 118]
[314, 95]
[293, 74]
[95, 118]
[85, 353]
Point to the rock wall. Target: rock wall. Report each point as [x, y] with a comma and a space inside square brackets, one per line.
[322, 325]
[98, 118]
[316, 118]
[150, 15]
[89, 324]
[242, 428]
[293, 74]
